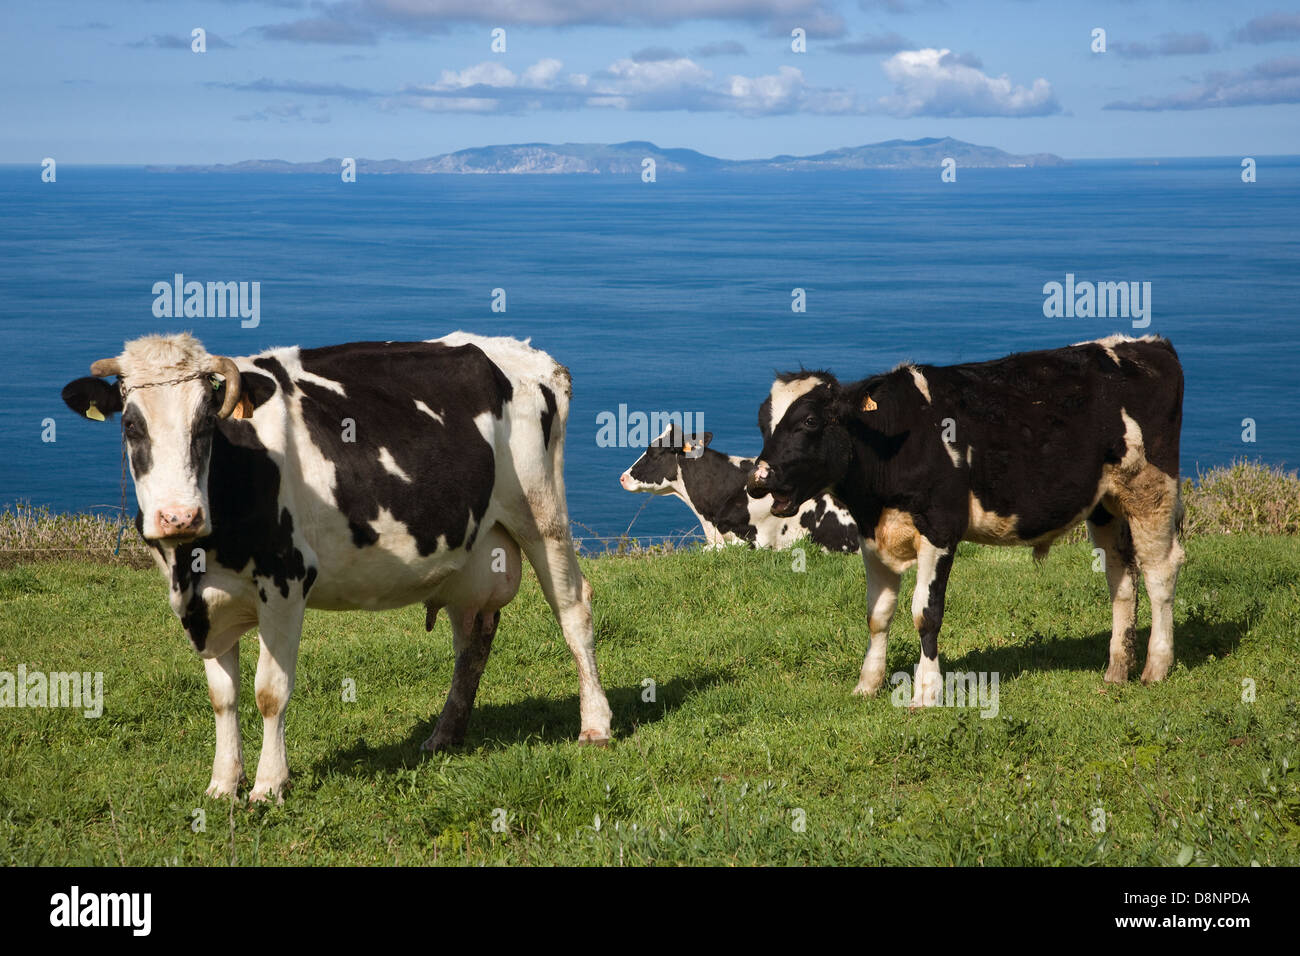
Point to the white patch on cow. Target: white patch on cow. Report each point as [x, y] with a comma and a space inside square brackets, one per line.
[1109, 342]
[785, 394]
[430, 412]
[304, 376]
[953, 453]
[391, 466]
[1134, 444]
[921, 384]
[968, 449]
[927, 686]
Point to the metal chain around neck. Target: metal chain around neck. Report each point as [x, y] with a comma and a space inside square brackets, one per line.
[128, 389]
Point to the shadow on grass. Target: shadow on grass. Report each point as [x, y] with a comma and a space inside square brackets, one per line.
[1196, 640]
[497, 726]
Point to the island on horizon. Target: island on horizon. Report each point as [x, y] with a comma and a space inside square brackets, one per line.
[626, 159]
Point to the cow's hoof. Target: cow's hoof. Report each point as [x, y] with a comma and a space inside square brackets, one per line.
[1151, 674]
[1117, 674]
[437, 744]
[268, 794]
[594, 738]
[221, 789]
[865, 690]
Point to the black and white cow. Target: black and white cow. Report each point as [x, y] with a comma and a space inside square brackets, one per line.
[363, 476]
[1013, 451]
[712, 485]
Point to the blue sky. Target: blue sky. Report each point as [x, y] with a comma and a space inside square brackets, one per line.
[92, 81]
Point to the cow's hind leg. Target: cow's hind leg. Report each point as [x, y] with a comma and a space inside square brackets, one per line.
[882, 598]
[472, 634]
[223, 691]
[1160, 555]
[569, 595]
[932, 567]
[279, 631]
[1113, 535]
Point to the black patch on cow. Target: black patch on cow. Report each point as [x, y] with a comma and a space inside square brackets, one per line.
[270, 364]
[187, 582]
[548, 416]
[308, 581]
[261, 593]
[250, 531]
[135, 432]
[451, 465]
[716, 487]
[827, 529]
[932, 615]
[201, 429]
[656, 465]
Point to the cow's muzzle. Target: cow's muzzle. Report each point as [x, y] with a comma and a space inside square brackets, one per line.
[760, 483]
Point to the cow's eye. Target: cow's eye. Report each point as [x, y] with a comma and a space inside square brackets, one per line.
[130, 428]
[812, 423]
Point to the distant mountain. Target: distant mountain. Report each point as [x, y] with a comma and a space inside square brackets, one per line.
[620, 159]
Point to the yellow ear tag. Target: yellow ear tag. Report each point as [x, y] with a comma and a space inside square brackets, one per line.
[687, 447]
[869, 404]
[95, 413]
[243, 408]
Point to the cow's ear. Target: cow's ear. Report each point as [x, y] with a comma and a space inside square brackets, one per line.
[694, 445]
[858, 404]
[93, 398]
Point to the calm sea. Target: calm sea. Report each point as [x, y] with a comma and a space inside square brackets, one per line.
[672, 296]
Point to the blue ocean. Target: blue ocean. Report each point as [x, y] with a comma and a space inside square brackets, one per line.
[666, 296]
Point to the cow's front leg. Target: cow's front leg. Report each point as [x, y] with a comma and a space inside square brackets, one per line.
[882, 598]
[932, 566]
[279, 630]
[223, 690]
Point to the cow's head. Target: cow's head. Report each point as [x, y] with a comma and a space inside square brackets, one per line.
[658, 470]
[171, 393]
[806, 446]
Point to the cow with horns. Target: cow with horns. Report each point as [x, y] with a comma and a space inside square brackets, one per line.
[363, 476]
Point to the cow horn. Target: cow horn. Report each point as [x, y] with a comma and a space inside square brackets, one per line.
[105, 367]
[228, 370]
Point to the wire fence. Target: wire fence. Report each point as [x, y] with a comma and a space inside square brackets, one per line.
[29, 533]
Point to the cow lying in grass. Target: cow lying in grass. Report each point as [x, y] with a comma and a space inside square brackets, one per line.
[712, 485]
[363, 476]
[1016, 451]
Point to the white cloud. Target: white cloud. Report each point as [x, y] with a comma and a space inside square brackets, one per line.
[1265, 84]
[940, 83]
[487, 73]
[678, 83]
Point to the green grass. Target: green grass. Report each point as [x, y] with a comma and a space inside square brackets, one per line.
[753, 721]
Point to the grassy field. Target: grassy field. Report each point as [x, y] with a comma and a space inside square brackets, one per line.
[753, 750]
